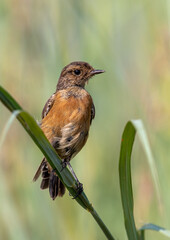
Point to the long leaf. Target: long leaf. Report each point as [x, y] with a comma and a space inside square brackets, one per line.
[125, 180]
[138, 124]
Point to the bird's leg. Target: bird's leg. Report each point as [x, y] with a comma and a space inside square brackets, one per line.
[72, 171]
[79, 185]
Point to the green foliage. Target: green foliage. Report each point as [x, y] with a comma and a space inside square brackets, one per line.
[126, 180]
[130, 41]
[66, 177]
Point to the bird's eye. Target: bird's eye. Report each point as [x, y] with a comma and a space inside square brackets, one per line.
[77, 72]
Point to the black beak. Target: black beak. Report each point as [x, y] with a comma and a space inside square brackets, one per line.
[96, 71]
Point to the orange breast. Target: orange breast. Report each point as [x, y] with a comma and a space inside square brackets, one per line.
[67, 124]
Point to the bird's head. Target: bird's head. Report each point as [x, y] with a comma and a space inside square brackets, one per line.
[76, 74]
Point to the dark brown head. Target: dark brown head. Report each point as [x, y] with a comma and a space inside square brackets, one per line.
[76, 74]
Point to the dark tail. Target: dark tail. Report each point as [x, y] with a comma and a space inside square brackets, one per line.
[49, 180]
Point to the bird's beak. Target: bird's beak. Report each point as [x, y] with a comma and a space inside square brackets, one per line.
[96, 71]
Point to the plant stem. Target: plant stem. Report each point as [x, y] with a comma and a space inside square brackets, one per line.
[102, 225]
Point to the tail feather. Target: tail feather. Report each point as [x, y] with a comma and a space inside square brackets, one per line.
[44, 184]
[61, 188]
[53, 185]
[50, 180]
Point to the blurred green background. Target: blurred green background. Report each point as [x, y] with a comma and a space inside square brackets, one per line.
[131, 41]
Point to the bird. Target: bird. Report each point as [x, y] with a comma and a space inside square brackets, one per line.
[66, 120]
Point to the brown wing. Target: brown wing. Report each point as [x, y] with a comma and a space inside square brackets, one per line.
[48, 106]
[92, 112]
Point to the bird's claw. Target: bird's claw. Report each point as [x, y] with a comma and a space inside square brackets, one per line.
[79, 190]
[63, 165]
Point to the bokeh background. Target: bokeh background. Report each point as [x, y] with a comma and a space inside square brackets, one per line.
[131, 41]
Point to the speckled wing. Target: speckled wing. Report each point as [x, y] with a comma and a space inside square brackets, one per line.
[48, 106]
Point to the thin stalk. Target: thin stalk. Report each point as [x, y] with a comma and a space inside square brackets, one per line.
[102, 225]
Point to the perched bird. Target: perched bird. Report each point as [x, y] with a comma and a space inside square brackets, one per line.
[66, 119]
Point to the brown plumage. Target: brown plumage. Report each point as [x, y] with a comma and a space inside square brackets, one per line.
[66, 120]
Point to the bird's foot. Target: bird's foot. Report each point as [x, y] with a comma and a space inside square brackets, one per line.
[63, 165]
[79, 190]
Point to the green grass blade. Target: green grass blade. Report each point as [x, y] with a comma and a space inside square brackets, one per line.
[125, 180]
[41, 141]
[7, 126]
[8, 100]
[138, 124]
[157, 228]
